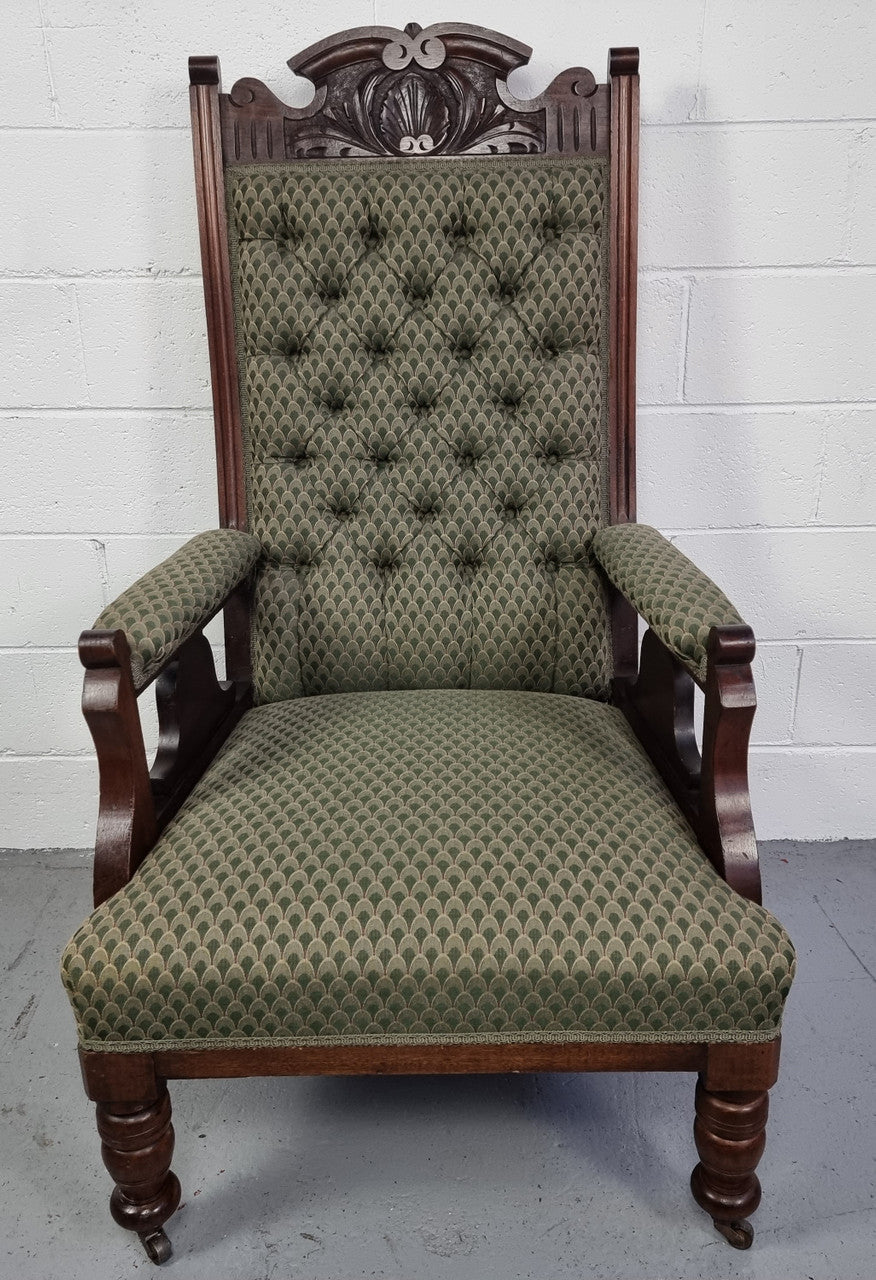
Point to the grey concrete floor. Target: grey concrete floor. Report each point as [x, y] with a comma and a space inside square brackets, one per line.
[488, 1178]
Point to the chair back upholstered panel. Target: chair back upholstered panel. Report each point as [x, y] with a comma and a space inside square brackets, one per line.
[423, 360]
[415, 287]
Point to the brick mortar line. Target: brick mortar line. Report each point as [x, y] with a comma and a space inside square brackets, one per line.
[764, 748]
[684, 343]
[733, 407]
[768, 126]
[50, 75]
[748, 406]
[664, 409]
[769, 528]
[143, 275]
[43, 535]
[790, 642]
[692, 272]
[747, 126]
[131, 410]
[765, 271]
[795, 697]
[42, 650]
[813, 748]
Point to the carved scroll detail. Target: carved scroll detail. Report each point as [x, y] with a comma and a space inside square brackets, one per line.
[414, 100]
[412, 45]
[415, 113]
[442, 91]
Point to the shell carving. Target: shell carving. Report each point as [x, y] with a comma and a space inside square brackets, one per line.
[414, 119]
[412, 99]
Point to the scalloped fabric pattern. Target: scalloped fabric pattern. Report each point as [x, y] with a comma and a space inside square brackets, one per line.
[427, 866]
[170, 602]
[424, 383]
[674, 597]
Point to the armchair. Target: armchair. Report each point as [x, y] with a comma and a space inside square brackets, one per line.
[438, 818]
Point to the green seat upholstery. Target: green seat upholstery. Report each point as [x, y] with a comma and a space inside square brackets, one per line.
[427, 866]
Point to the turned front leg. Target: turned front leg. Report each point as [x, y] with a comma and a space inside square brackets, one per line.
[137, 1150]
[730, 1135]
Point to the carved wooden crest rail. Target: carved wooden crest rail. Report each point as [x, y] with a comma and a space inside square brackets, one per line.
[438, 91]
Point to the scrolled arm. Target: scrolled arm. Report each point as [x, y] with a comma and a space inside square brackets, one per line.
[694, 634]
[677, 600]
[171, 602]
[155, 629]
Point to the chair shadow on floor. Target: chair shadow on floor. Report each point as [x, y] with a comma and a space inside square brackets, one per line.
[409, 1125]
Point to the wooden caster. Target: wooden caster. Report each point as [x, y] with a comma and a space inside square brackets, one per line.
[158, 1247]
[739, 1234]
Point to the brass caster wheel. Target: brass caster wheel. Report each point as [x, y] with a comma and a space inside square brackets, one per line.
[158, 1247]
[739, 1234]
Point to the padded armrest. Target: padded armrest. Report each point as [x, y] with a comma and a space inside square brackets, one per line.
[674, 597]
[168, 604]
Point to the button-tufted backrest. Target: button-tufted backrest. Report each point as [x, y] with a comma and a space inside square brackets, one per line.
[423, 363]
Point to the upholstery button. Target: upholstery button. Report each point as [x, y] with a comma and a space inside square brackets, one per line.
[343, 509]
[371, 234]
[417, 292]
[295, 349]
[509, 398]
[511, 510]
[381, 456]
[468, 562]
[378, 347]
[463, 349]
[466, 457]
[425, 510]
[330, 291]
[423, 403]
[335, 401]
[507, 293]
[300, 458]
[551, 454]
[551, 561]
[385, 563]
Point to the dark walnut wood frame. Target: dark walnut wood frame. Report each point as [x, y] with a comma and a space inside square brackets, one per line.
[365, 84]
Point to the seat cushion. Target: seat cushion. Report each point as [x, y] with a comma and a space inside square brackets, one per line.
[427, 866]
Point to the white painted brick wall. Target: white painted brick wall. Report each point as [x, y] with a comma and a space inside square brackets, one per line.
[757, 441]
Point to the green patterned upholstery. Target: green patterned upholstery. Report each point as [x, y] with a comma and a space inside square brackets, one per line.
[674, 597]
[168, 604]
[427, 866]
[423, 358]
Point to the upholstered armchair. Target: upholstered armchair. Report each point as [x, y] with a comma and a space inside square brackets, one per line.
[439, 817]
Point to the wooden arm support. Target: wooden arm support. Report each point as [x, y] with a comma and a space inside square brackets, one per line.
[196, 712]
[712, 789]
